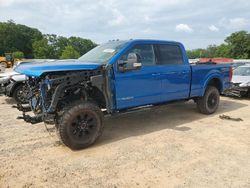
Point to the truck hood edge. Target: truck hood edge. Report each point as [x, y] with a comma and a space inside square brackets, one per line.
[36, 69]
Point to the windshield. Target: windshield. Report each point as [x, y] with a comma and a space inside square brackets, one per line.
[242, 71]
[103, 52]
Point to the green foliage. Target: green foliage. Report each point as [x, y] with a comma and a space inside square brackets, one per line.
[237, 46]
[53, 46]
[69, 53]
[192, 54]
[30, 41]
[16, 37]
[18, 55]
[223, 50]
[81, 45]
[42, 49]
[56, 45]
[239, 43]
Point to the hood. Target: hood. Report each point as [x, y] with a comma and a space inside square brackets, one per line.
[18, 78]
[38, 68]
[240, 79]
[8, 74]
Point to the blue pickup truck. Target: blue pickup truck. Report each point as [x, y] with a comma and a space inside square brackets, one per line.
[117, 77]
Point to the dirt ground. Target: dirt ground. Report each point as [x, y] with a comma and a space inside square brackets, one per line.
[169, 146]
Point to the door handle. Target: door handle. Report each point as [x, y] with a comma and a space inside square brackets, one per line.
[156, 74]
[181, 73]
[170, 73]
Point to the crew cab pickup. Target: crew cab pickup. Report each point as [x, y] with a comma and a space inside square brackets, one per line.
[116, 77]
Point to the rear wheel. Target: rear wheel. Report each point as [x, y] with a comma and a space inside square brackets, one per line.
[209, 103]
[80, 125]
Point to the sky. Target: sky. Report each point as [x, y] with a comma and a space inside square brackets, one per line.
[195, 23]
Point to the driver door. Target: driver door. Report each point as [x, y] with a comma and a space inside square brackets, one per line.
[142, 86]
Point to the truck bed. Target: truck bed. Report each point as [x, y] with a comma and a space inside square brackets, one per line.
[201, 74]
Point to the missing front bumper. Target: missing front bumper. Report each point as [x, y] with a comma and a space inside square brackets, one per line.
[238, 91]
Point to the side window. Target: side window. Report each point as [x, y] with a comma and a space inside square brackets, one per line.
[145, 52]
[169, 54]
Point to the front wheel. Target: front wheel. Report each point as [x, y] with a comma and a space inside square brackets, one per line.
[80, 125]
[209, 103]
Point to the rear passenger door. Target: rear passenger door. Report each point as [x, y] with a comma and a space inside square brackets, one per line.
[175, 73]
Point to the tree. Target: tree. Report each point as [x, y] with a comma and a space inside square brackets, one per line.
[211, 50]
[57, 44]
[237, 46]
[223, 50]
[17, 37]
[42, 50]
[69, 53]
[239, 43]
[196, 53]
[61, 43]
[81, 45]
[18, 55]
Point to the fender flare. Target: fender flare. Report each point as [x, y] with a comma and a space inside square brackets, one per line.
[211, 77]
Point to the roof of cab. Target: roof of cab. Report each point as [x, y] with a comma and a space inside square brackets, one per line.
[153, 41]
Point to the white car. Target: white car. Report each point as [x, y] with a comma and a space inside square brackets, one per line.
[2, 68]
[5, 77]
[241, 82]
[13, 85]
[241, 76]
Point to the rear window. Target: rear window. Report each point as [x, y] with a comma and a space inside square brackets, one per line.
[169, 54]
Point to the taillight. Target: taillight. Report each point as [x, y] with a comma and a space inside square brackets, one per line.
[230, 73]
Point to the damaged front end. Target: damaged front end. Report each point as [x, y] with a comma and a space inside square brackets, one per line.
[50, 93]
[238, 90]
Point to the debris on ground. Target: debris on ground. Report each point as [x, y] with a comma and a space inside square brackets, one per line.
[230, 118]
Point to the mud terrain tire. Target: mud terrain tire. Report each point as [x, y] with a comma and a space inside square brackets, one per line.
[80, 125]
[209, 103]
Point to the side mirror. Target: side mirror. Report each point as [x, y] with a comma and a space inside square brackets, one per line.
[132, 63]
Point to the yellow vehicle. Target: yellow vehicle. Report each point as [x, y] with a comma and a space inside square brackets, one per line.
[7, 61]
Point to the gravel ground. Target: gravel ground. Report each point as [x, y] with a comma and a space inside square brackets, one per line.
[169, 146]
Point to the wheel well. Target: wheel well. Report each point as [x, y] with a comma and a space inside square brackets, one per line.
[76, 94]
[216, 83]
[96, 95]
